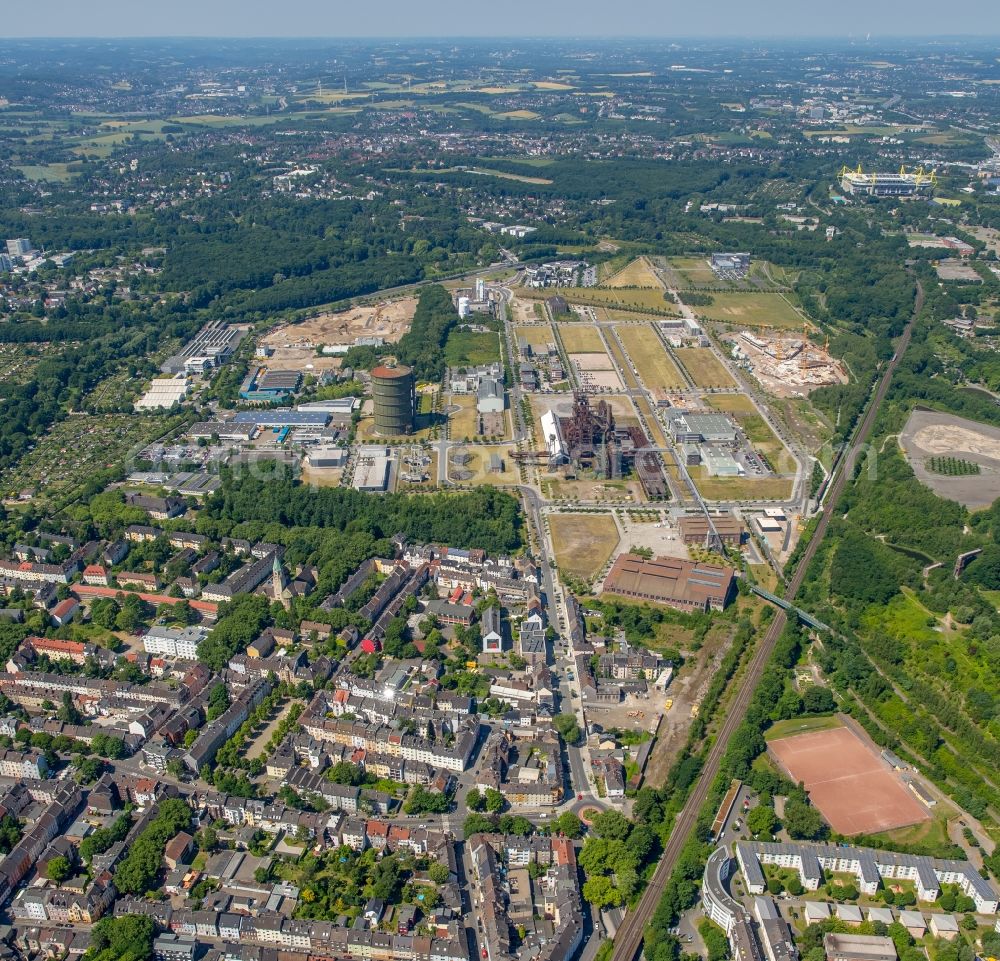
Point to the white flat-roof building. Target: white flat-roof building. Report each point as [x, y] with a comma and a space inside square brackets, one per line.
[171, 642]
[164, 392]
[320, 457]
[344, 406]
[870, 866]
[720, 463]
[372, 471]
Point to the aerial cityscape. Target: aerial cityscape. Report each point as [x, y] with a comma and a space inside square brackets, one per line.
[499, 498]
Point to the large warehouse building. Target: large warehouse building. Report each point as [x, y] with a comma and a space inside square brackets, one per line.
[686, 585]
[395, 400]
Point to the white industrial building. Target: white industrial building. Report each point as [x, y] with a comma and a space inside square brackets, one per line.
[320, 457]
[344, 406]
[720, 463]
[490, 395]
[552, 437]
[164, 392]
[371, 472]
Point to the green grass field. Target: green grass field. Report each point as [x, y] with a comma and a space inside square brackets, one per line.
[581, 339]
[692, 271]
[928, 834]
[704, 368]
[466, 348]
[58, 172]
[740, 488]
[801, 725]
[752, 310]
[647, 352]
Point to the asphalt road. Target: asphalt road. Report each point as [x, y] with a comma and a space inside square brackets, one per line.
[629, 938]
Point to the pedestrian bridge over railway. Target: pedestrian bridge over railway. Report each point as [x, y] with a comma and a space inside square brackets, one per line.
[802, 615]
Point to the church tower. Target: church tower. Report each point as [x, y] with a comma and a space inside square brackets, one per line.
[278, 583]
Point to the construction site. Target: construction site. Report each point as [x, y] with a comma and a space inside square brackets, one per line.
[786, 366]
[316, 343]
[588, 439]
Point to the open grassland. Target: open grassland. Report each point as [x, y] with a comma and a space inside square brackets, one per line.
[583, 542]
[538, 336]
[704, 368]
[931, 833]
[752, 310]
[628, 316]
[638, 273]
[56, 172]
[801, 725]
[855, 130]
[466, 348]
[608, 268]
[625, 298]
[649, 356]
[465, 420]
[692, 271]
[581, 339]
[522, 161]
[740, 488]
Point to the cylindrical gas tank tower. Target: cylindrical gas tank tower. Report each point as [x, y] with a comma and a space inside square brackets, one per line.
[394, 394]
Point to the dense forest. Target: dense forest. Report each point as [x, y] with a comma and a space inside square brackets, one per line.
[422, 346]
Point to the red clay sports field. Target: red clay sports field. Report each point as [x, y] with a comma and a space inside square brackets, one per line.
[853, 788]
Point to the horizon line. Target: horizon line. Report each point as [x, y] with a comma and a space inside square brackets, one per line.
[853, 38]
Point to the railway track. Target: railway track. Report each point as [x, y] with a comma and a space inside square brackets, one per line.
[629, 938]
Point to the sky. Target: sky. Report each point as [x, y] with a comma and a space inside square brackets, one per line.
[498, 18]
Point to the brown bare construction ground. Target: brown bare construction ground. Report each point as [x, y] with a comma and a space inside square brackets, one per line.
[389, 320]
[929, 433]
[687, 690]
[296, 346]
[583, 542]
